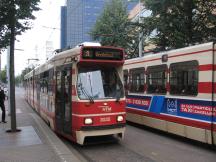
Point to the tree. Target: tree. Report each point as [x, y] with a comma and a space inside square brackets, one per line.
[176, 24]
[3, 75]
[133, 30]
[14, 19]
[20, 78]
[110, 26]
[22, 11]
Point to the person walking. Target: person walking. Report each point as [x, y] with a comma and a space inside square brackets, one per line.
[2, 99]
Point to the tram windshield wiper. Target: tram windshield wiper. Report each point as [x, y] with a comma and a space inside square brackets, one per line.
[118, 93]
[82, 88]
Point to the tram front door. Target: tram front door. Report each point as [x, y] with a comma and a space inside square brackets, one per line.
[63, 99]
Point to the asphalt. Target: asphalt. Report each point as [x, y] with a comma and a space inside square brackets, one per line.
[36, 142]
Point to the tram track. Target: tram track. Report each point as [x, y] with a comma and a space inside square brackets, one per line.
[141, 144]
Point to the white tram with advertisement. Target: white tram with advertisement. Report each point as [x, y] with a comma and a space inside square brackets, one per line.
[174, 91]
[79, 92]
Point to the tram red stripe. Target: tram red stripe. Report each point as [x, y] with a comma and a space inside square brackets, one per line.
[188, 122]
[206, 87]
[207, 67]
[191, 53]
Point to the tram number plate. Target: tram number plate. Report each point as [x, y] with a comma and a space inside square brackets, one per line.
[105, 119]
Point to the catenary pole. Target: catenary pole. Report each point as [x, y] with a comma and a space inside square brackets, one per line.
[141, 33]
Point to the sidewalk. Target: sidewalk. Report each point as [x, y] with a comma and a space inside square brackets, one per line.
[35, 143]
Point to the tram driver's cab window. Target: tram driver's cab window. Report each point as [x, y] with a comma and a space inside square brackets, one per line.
[137, 80]
[99, 83]
[184, 78]
[157, 79]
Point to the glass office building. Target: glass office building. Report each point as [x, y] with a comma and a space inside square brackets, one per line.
[78, 18]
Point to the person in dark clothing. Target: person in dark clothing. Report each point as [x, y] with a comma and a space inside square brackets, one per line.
[2, 99]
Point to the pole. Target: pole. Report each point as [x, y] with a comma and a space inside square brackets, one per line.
[0, 64]
[140, 33]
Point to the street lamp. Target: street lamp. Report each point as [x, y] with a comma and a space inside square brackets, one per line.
[35, 59]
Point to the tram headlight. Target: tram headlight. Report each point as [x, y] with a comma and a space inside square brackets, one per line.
[120, 118]
[88, 121]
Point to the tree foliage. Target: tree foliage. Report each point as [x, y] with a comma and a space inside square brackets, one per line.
[20, 78]
[3, 75]
[110, 26]
[22, 10]
[176, 24]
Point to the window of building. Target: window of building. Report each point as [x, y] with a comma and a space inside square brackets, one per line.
[184, 78]
[157, 79]
[137, 80]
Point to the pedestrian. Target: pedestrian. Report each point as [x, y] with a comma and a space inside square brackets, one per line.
[2, 99]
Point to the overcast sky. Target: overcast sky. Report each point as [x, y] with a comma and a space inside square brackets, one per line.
[32, 43]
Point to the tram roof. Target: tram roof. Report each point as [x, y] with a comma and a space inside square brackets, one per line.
[171, 52]
[63, 56]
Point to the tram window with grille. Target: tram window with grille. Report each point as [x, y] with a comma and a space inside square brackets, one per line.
[157, 79]
[137, 80]
[44, 82]
[126, 80]
[50, 81]
[184, 78]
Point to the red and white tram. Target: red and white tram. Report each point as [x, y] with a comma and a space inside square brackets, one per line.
[174, 91]
[79, 92]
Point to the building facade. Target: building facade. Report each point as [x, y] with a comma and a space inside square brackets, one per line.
[78, 17]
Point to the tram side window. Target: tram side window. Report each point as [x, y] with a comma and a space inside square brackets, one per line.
[58, 84]
[50, 82]
[38, 82]
[44, 82]
[31, 82]
[156, 79]
[137, 80]
[184, 78]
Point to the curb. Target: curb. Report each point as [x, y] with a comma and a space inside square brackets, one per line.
[59, 147]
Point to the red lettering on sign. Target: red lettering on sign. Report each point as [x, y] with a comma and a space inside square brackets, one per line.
[140, 102]
[197, 109]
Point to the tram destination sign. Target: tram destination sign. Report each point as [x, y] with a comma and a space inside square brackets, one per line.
[102, 54]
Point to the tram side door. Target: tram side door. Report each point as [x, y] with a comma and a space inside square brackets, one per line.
[63, 99]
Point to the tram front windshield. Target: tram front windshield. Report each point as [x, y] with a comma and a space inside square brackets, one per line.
[97, 83]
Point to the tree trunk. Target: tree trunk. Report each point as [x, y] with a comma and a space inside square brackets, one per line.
[11, 74]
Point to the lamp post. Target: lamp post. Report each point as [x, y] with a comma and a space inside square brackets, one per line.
[140, 33]
[35, 59]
